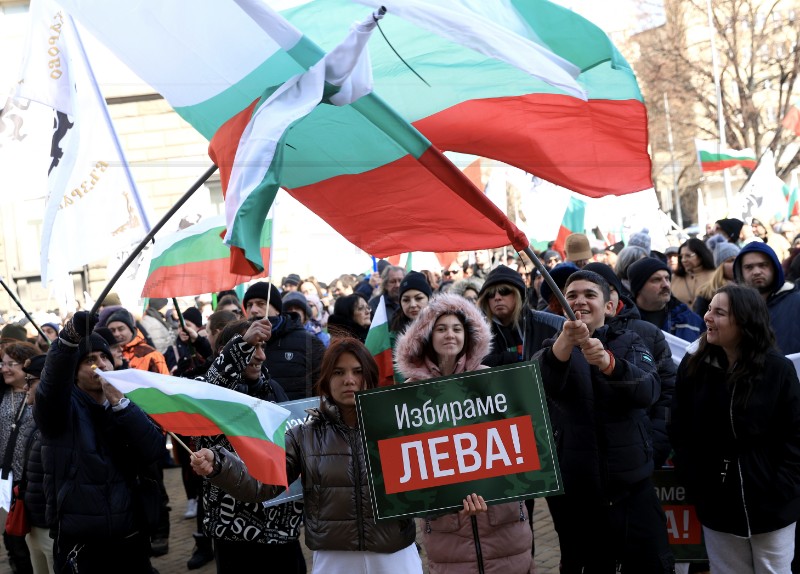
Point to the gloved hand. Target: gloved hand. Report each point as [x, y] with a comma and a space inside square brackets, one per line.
[80, 326]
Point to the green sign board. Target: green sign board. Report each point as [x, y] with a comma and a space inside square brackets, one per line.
[683, 527]
[430, 444]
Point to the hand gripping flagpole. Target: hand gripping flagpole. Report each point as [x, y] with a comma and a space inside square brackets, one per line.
[149, 237]
[549, 280]
[21, 308]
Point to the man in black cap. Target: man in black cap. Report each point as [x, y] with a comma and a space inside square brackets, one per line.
[651, 290]
[294, 356]
[291, 283]
[95, 446]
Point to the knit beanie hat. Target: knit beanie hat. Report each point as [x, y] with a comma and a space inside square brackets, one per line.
[724, 251]
[731, 226]
[641, 239]
[292, 279]
[577, 247]
[560, 273]
[123, 316]
[297, 299]
[503, 274]
[607, 273]
[95, 342]
[157, 303]
[415, 280]
[106, 333]
[266, 291]
[642, 270]
[194, 315]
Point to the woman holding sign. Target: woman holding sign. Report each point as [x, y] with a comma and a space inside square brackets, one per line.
[736, 434]
[450, 336]
[327, 453]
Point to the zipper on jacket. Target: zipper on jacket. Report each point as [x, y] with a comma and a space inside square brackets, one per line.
[359, 502]
[739, 464]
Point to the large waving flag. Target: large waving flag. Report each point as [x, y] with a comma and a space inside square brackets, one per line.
[572, 222]
[255, 428]
[92, 207]
[195, 260]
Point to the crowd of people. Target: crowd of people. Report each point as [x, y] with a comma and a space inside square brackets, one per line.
[88, 463]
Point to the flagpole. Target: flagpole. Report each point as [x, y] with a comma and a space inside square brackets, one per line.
[21, 308]
[675, 191]
[103, 106]
[549, 280]
[149, 237]
[726, 176]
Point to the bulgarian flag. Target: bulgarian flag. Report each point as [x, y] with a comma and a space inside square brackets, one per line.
[791, 193]
[255, 428]
[573, 222]
[379, 345]
[713, 158]
[791, 121]
[195, 260]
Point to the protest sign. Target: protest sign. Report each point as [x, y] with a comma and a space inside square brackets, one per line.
[430, 444]
[683, 527]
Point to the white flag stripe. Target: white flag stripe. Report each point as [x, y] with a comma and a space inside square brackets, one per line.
[164, 243]
[456, 22]
[347, 66]
[270, 415]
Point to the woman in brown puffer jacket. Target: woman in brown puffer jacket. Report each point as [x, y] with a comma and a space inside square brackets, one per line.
[450, 336]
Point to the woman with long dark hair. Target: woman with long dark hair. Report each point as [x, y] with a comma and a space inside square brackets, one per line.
[736, 434]
[328, 455]
[351, 317]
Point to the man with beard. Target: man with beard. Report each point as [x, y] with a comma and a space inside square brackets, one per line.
[651, 290]
[757, 266]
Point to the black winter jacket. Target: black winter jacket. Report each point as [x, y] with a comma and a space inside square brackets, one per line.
[654, 340]
[294, 356]
[507, 342]
[600, 423]
[91, 455]
[740, 466]
[32, 480]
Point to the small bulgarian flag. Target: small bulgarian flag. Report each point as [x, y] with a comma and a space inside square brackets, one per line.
[573, 222]
[791, 193]
[255, 428]
[379, 345]
[195, 260]
[714, 158]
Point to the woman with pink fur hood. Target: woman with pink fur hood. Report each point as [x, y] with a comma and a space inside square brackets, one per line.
[451, 336]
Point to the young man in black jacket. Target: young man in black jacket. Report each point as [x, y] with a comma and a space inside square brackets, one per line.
[601, 381]
[96, 445]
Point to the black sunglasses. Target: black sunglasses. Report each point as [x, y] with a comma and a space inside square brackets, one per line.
[503, 290]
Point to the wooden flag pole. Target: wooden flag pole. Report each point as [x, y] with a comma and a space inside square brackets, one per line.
[149, 237]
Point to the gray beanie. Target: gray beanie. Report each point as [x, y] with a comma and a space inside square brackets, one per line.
[641, 239]
[723, 251]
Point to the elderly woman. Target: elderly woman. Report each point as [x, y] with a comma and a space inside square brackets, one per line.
[736, 434]
[450, 336]
[328, 455]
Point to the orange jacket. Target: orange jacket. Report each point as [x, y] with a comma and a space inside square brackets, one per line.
[142, 356]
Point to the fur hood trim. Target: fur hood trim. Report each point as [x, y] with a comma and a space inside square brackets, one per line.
[409, 356]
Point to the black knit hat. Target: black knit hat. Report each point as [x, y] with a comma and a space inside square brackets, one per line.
[415, 280]
[194, 315]
[606, 273]
[106, 333]
[292, 279]
[642, 270]
[266, 291]
[123, 316]
[95, 342]
[732, 227]
[503, 274]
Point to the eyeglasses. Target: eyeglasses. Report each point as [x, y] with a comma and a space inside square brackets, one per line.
[30, 378]
[9, 364]
[503, 290]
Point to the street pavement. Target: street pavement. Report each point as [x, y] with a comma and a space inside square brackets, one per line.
[181, 542]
